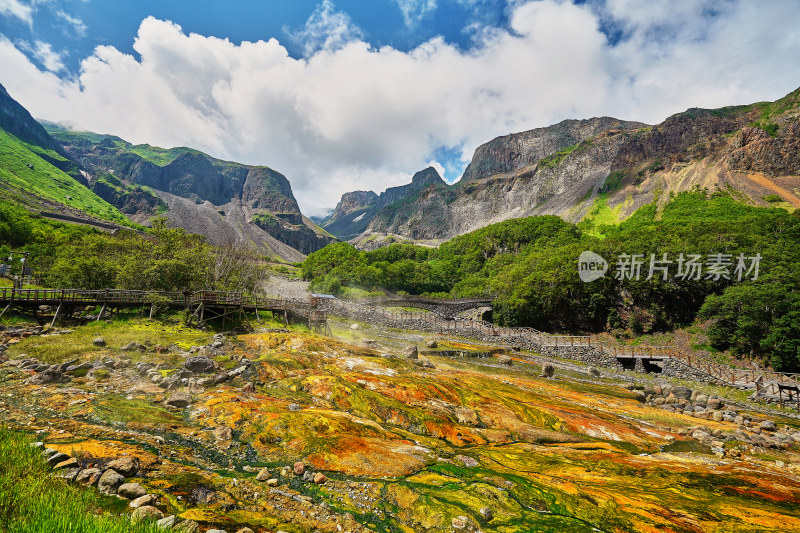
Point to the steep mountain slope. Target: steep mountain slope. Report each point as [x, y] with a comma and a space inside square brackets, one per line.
[225, 201]
[35, 172]
[356, 210]
[604, 169]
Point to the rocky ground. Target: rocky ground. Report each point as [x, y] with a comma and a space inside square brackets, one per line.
[384, 430]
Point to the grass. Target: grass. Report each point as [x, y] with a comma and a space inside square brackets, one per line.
[599, 215]
[45, 180]
[31, 501]
[554, 159]
[59, 348]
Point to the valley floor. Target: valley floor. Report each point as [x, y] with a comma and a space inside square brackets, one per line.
[286, 430]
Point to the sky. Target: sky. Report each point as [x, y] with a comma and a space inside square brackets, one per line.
[360, 94]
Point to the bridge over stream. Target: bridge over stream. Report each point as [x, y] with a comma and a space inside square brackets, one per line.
[446, 309]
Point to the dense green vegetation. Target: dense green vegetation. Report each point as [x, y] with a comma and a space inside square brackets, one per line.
[530, 267]
[22, 167]
[164, 259]
[33, 502]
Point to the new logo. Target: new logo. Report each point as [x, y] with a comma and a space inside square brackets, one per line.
[591, 266]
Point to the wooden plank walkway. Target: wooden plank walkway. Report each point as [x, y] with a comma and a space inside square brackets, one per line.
[217, 303]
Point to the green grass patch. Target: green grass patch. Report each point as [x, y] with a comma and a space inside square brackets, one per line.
[59, 348]
[21, 168]
[31, 501]
[555, 159]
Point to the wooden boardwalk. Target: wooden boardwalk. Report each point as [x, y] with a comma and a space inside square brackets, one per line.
[203, 305]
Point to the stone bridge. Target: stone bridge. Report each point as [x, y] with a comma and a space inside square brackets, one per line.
[446, 309]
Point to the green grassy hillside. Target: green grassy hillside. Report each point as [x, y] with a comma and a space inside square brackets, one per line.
[22, 169]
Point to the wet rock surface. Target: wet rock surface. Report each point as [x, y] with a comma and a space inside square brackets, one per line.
[317, 434]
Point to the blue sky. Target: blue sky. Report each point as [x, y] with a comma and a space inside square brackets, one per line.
[343, 95]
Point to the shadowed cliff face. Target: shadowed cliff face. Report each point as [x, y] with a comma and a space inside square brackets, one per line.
[225, 201]
[576, 169]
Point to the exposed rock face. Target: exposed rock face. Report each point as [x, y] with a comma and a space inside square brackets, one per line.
[356, 210]
[570, 168]
[225, 201]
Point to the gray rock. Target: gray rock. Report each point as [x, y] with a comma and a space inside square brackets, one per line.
[110, 481]
[505, 360]
[767, 425]
[187, 526]
[486, 513]
[431, 344]
[294, 407]
[548, 370]
[127, 465]
[179, 400]
[134, 346]
[594, 371]
[682, 393]
[141, 501]
[146, 512]
[199, 364]
[262, 475]
[167, 522]
[99, 341]
[411, 352]
[56, 458]
[131, 491]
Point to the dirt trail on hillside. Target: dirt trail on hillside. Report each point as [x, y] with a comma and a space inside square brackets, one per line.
[771, 185]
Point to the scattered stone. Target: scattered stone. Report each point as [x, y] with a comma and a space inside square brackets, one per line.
[431, 344]
[127, 466]
[767, 425]
[199, 364]
[110, 481]
[99, 342]
[245, 530]
[216, 531]
[682, 393]
[249, 387]
[131, 491]
[69, 473]
[67, 463]
[505, 360]
[467, 460]
[146, 512]
[179, 400]
[354, 326]
[548, 370]
[272, 482]
[486, 513]
[56, 458]
[319, 478]
[466, 416]
[166, 523]
[294, 407]
[594, 371]
[133, 347]
[411, 352]
[299, 468]
[223, 433]
[460, 522]
[262, 475]
[308, 476]
[187, 526]
[89, 476]
[141, 501]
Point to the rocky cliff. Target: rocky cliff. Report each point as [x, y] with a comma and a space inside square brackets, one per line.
[356, 211]
[230, 203]
[605, 168]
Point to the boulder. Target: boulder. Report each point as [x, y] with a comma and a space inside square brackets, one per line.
[146, 512]
[56, 458]
[767, 425]
[223, 433]
[431, 344]
[299, 468]
[131, 491]
[319, 478]
[167, 522]
[263, 475]
[187, 526]
[505, 360]
[682, 393]
[127, 465]
[594, 371]
[179, 400]
[133, 347]
[411, 352]
[272, 482]
[486, 513]
[67, 463]
[245, 530]
[199, 364]
[141, 501]
[354, 326]
[548, 370]
[89, 476]
[99, 342]
[110, 481]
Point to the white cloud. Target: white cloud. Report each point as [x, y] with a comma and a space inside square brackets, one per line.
[50, 58]
[352, 117]
[77, 24]
[17, 9]
[415, 10]
[325, 29]
[438, 166]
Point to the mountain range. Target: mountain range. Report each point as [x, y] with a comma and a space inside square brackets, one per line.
[599, 170]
